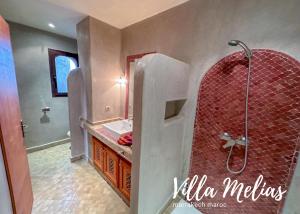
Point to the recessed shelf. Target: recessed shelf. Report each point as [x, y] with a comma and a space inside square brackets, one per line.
[173, 108]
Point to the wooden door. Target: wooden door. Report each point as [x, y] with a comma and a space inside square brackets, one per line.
[112, 166]
[11, 137]
[99, 154]
[125, 178]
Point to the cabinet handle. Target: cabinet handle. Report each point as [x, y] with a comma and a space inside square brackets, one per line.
[22, 128]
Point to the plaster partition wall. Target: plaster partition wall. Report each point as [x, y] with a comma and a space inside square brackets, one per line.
[84, 55]
[77, 109]
[99, 46]
[30, 48]
[157, 141]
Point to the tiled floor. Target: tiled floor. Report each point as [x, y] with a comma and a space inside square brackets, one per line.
[63, 187]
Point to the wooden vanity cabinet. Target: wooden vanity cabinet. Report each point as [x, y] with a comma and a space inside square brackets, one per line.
[111, 169]
[114, 168]
[99, 154]
[125, 178]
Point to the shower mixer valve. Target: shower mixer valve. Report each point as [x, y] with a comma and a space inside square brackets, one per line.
[244, 140]
[232, 142]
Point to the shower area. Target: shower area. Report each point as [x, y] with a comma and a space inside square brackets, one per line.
[247, 124]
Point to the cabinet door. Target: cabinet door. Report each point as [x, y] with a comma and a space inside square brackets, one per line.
[99, 154]
[112, 165]
[125, 178]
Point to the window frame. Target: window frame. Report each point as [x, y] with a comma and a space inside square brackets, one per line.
[52, 53]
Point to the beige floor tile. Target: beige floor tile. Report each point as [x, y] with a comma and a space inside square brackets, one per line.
[60, 186]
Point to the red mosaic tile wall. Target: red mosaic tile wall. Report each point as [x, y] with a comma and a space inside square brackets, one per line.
[274, 126]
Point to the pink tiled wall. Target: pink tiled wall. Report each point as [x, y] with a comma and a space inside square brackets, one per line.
[274, 125]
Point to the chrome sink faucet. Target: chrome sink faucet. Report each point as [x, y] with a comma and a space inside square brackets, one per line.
[130, 120]
[231, 142]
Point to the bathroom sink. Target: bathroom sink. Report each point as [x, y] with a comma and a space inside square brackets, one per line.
[119, 128]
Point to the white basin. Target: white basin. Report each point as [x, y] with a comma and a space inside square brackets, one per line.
[119, 128]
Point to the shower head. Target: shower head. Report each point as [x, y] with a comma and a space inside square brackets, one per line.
[247, 50]
[233, 42]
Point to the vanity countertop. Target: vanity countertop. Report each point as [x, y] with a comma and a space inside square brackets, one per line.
[109, 140]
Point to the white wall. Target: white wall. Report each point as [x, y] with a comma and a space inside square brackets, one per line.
[30, 49]
[5, 201]
[99, 47]
[157, 142]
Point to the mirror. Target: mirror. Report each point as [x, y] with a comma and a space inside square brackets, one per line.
[130, 69]
[130, 89]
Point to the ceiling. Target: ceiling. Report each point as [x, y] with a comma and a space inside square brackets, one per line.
[65, 14]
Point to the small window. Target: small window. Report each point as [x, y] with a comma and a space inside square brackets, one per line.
[61, 63]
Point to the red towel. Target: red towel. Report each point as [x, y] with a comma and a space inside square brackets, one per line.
[126, 140]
